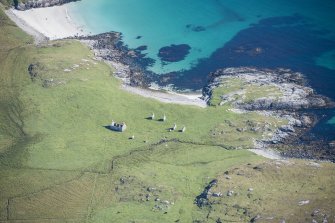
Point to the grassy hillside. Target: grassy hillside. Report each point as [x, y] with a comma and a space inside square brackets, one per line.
[58, 162]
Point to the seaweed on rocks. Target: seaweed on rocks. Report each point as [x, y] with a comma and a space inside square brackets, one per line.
[174, 53]
[19, 5]
[130, 64]
[296, 104]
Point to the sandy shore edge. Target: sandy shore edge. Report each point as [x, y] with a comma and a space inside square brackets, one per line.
[47, 23]
[21, 23]
[168, 97]
[55, 23]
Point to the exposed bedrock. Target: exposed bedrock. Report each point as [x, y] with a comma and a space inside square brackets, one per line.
[19, 5]
[294, 93]
[281, 93]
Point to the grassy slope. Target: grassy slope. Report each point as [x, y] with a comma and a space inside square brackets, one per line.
[58, 162]
[278, 186]
[242, 90]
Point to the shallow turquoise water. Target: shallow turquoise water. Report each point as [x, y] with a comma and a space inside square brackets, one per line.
[163, 22]
[225, 24]
[332, 121]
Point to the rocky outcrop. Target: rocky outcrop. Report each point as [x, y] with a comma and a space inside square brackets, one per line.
[29, 4]
[202, 199]
[295, 94]
[130, 64]
[292, 101]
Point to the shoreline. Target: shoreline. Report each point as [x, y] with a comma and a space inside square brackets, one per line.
[22, 24]
[167, 97]
[42, 24]
[51, 22]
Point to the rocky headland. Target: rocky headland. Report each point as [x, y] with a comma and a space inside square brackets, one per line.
[130, 64]
[281, 93]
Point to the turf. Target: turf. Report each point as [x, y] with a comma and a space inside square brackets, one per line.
[59, 163]
[278, 188]
[241, 89]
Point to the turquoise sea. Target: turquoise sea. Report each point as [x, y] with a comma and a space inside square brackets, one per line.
[295, 34]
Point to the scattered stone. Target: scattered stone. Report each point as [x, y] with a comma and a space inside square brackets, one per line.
[230, 193]
[288, 101]
[315, 212]
[258, 168]
[314, 164]
[217, 194]
[287, 128]
[165, 202]
[151, 189]
[254, 219]
[250, 189]
[301, 203]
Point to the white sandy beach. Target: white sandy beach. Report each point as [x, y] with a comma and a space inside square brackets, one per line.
[169, 97]
[53, 22]
[56, 23]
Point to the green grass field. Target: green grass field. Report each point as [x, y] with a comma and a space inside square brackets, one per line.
[58, 162]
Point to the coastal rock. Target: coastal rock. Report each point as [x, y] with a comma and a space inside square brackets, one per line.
[230, 193]
[130, 65]
[287, 128]
[19, 5]
[279, 93]
[294, 94]
[301, 203]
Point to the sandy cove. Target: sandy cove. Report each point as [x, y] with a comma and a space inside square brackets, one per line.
[168, 97]
[54, 23]
[51, 22]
